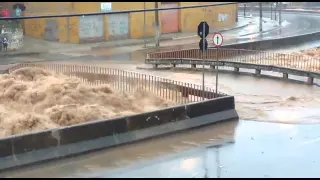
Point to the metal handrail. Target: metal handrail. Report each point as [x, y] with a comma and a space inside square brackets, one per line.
[128, 81]
[295, 61]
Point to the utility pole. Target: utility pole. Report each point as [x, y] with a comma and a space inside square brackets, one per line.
[271, 11]
[280, 8]
[144, 25]
[156, 16]
[237, 13]
[260, 4]
[275, 11]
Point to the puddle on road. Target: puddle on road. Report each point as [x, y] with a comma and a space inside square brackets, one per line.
[94, 164]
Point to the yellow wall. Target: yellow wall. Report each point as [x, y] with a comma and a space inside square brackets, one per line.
[36, 27]
[189, 18]
[137, 24]
[136, 20]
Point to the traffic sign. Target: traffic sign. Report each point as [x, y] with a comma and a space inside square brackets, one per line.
[217, 39]
[205, 47]
[203, 27]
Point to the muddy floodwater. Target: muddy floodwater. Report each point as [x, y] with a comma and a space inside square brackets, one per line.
[254, 147]
[257, 98]
[246, 149]
[278, 134]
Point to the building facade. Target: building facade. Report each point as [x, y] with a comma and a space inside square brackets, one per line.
[119, 26]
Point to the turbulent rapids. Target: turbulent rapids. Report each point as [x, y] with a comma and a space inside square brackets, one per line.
[33, 99]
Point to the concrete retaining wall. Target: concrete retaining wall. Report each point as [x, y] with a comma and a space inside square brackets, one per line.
[275, 43]
[17, 151]
[237, 65]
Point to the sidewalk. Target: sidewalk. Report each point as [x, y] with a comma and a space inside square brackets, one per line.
[33, 46]
[242, 23]
[230, 36]
[184, 40]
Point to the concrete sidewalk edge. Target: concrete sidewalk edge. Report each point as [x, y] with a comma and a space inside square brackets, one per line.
[283, 10]
[114, 44]
[162, 38]
[16, 54]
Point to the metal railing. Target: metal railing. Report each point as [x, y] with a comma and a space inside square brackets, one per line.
[127, 81]
[294, 61]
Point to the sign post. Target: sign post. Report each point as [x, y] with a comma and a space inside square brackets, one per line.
[217, 40]
[203, 31]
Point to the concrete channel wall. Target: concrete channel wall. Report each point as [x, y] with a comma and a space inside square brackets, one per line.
[275, 43]
[237, 65]
[22, 150]
[253, 45]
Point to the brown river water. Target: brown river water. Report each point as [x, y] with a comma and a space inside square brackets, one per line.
[277, 135]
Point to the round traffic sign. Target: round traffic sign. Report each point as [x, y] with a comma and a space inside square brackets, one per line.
[203, 45]
[203, 27]
[217, 39]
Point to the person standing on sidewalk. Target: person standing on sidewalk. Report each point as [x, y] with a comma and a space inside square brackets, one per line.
[1, 44]
[5, 12]
[18, 12]
[5, 44]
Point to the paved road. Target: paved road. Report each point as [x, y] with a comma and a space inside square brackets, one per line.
[279, 148]
[259, 149]
[247, 150]
[295, 24]
[298, 23]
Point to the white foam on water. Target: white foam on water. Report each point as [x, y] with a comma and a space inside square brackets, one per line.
[285, 23]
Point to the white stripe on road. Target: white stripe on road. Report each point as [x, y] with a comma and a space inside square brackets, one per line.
[311, 141]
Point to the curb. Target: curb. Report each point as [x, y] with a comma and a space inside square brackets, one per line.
[236, 28]
[262, 32]
[20, 54]
[283, 10]
[312, 11]
[139, 41]
[132, 43]
[273, 43]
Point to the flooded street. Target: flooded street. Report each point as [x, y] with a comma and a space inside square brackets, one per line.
[254, 147]
[259, 150]
[278, 134]
[228, 149]
[271, 100]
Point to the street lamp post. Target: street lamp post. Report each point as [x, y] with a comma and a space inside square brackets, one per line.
[144, 25]
[260, 4]
[275, 11]
[157, 24]
[280, 8]
[271, 11]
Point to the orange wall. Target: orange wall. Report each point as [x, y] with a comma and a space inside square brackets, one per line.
[136, 19]
[189, 18]
[36, 27]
